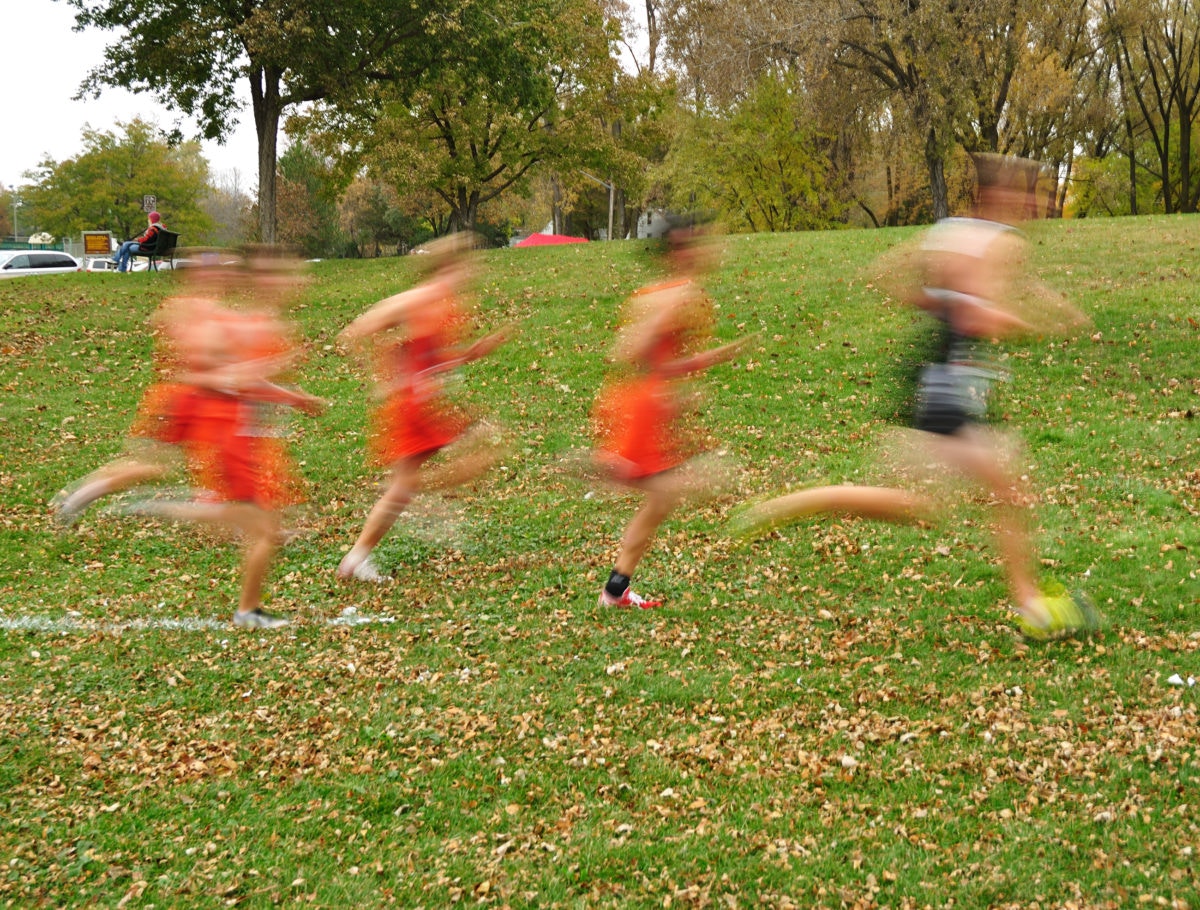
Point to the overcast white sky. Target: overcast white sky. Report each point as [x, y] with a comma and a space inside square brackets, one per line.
[42, 63]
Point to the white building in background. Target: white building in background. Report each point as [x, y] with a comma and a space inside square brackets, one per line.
[652, 224]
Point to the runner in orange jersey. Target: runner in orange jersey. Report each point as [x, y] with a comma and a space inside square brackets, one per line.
[152, 451]
[414, 337]
[214, 413]
[640, 445]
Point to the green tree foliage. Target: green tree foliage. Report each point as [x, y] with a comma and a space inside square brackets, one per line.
[307, 208]
[1101, 186]
[375, 222]
[894, 81]
[631, 134]
[231, 211]
[519, 87]
[762, 168]
[102, 188]
[459, 104]
[1155, 45]
[6, 208]
[193, 54]
[930, 59]
[1062, 99]
[636, 122]
[892, 65]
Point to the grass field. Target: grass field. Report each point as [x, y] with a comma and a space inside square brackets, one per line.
[838, 715]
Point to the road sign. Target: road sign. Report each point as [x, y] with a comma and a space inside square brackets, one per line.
[149, 203]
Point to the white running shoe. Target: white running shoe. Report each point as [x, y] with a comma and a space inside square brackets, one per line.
[364, 570]
[258, 619]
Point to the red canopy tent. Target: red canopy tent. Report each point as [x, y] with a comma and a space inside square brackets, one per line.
[549, 240]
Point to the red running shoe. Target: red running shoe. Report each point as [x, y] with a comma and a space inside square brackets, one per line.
[628, 599]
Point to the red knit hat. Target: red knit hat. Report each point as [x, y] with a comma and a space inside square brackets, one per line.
[155, 218]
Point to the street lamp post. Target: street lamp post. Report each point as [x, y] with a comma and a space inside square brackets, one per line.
[16, 204]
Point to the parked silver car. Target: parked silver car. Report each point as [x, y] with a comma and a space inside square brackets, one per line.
[14, 263]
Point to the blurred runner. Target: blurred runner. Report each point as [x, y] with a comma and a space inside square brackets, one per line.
[152, 450]
[213, 409]
[641, 444]
[414, 341]
[972, 270]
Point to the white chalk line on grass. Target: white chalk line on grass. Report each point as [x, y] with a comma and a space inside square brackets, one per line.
[76, 623]
[66, 624]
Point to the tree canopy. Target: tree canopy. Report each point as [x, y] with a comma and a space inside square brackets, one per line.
[103, 187]
[523, 86]
[193, 54]
[779, 115]
[764, 169]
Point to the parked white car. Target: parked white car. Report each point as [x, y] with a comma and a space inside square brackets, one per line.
[101, 264]
[14, 263]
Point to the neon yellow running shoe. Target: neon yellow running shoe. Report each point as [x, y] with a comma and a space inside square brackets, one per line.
[1067, 615]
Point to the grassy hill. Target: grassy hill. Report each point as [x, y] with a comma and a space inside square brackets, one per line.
[840, 714]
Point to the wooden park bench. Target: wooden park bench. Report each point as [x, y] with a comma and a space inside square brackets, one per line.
[162, 251]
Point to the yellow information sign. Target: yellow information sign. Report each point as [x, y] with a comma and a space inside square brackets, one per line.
[97, 243]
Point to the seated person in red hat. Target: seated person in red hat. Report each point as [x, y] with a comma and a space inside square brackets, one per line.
[143, 244]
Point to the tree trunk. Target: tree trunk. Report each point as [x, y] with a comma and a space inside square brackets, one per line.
[465, 211]
[1127, 117]
[472, 213]
[653, 35]
[556, 212]
[268, 108]
[889, 216]
[1063, 183]
[1031, 197]
[1132, 184]
[633, 220]
[866, 208]
[619, 229]
[1164, 162]
[616, 198]
[936, 163]
[1187, 203]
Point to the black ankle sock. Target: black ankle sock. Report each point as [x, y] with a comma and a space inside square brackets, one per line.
[618, 584]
